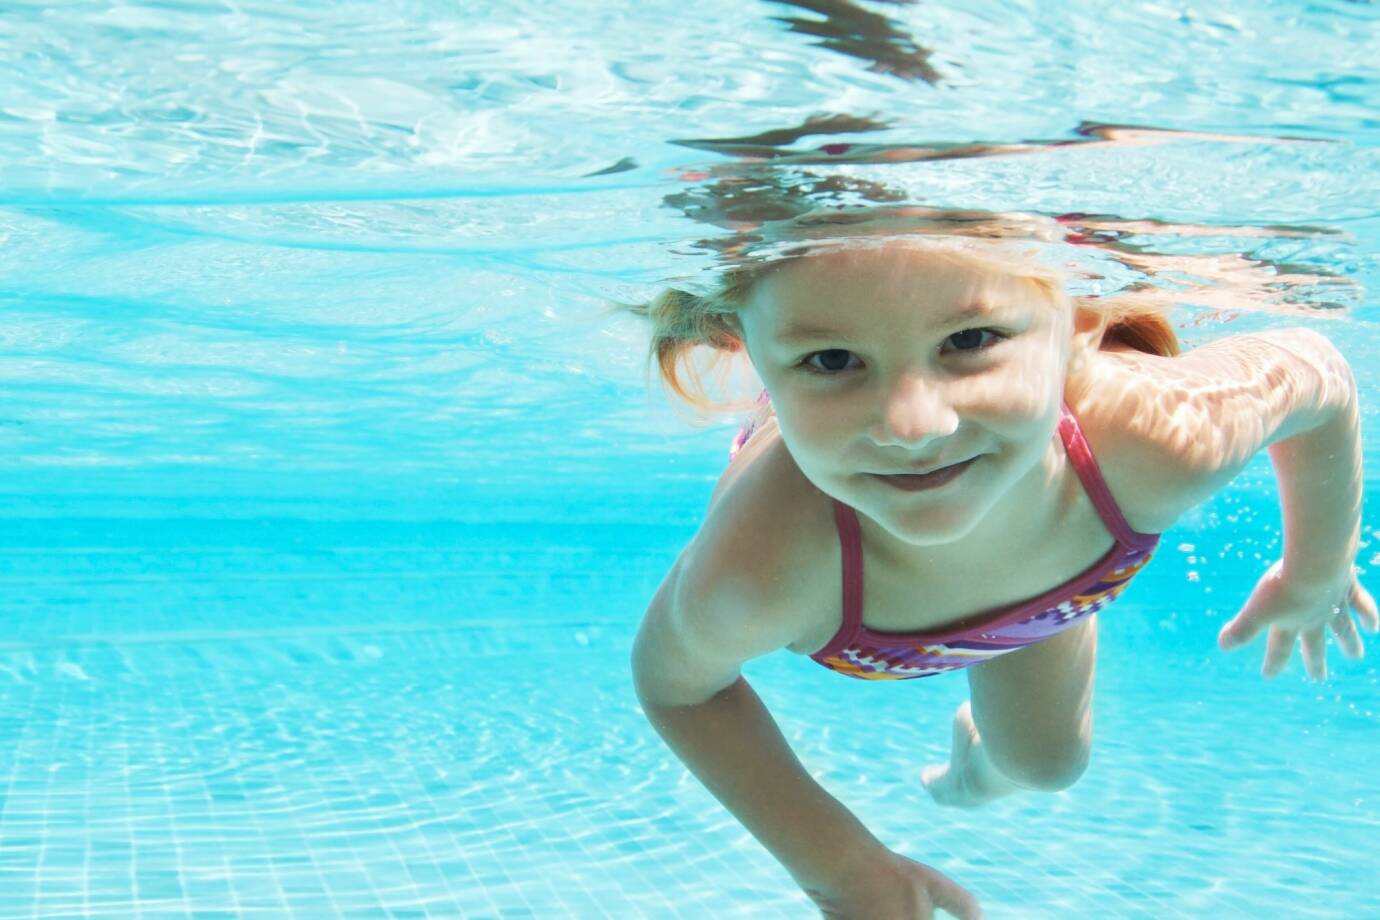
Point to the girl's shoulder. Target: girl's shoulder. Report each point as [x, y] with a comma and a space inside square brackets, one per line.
[770, 533]
[1169, 432]
[1113, 423]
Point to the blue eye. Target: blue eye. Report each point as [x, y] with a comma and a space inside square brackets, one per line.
[829, 357]
[971, 339]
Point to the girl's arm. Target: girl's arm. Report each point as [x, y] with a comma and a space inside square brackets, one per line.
[1198, 419]
[686, 659]
[1289, 391]
[1316, 452]
[1317, 457]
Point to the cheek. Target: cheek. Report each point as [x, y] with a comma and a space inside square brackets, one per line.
[800, 429]
[1037, 372]
[810, 434]
[1014, 388]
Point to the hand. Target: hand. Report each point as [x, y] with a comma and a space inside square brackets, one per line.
[1292, 610]
[892, 887]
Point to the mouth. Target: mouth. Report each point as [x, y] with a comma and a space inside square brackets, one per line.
[916, 482]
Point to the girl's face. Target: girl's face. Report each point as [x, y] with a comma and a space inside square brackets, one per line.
[891, 361]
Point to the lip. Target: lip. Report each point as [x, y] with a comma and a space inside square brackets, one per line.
[917, 482]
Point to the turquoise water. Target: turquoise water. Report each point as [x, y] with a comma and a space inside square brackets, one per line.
[331, 500]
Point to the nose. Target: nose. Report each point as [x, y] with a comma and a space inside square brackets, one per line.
[915, 412]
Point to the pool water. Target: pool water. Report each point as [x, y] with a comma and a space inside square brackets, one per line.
[332, 498]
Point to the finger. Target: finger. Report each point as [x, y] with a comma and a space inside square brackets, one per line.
[1237, 633]
[1348, 640]
[949, 896]
[1314, 643]
[1277, 650]
[1364, 605]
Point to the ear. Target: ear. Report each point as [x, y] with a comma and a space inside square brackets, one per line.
[1088, 328]
[728, 332]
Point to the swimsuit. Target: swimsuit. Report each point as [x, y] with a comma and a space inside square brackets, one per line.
[865, 653]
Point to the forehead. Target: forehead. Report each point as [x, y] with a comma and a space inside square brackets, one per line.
[905, 275]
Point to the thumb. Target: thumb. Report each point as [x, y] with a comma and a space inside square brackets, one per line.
[949, 896]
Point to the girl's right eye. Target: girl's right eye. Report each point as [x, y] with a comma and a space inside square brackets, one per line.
[831, 361]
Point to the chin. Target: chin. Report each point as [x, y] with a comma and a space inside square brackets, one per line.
[922, 526]
[931, 532]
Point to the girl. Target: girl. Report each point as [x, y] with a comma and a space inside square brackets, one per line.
[959, 465]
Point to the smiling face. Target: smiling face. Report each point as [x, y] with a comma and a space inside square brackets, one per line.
[895, 359]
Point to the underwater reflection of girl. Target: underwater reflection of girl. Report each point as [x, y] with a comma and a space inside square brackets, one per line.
[988, 462]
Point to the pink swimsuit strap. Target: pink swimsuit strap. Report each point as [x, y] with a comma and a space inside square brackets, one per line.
[1089, 474]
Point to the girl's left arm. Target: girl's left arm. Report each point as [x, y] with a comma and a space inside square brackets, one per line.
[1292, 392]
[1318, 468]
[1317, 457]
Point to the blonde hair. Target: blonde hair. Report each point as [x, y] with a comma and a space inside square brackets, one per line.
[684, 323]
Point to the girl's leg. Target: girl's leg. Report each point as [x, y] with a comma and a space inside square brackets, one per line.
[1029, 725]
[968, 779]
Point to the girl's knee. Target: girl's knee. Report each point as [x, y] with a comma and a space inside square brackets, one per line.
[1048, 770]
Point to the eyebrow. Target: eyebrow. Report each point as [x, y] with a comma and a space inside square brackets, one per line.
[796, 334]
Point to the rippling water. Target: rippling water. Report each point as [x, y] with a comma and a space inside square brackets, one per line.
[331, 496]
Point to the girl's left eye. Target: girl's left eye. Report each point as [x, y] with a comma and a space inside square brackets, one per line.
[970, 340]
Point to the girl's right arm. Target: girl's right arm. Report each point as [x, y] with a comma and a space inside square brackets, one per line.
[686, 659]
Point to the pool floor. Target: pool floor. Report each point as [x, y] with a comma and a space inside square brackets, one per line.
[425, 766]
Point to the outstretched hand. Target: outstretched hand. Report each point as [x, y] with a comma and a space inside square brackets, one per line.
[1293, 612]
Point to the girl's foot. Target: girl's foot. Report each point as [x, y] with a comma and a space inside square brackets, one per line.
[967, 780]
